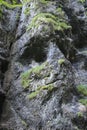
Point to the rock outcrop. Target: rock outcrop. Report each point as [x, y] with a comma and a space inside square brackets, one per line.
[43, 66]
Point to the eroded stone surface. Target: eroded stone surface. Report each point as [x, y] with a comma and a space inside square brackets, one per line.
[41, 68]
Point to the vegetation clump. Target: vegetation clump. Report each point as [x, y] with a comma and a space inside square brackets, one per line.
[39, 89]
[61, 61]
[82, 1]
[82, 89]
[44, 1]
[41, 1]
[80, 114]
[83, 101]
[24, 123]
[33, 95]
[12, 5]
[55, 22]
[26, 76]
[27, 11]
[8, 5]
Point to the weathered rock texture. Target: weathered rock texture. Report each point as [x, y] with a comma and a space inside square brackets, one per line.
[42, 67]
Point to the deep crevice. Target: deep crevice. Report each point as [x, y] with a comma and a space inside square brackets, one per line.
[2, 98]
[3, 69]
[36, 50]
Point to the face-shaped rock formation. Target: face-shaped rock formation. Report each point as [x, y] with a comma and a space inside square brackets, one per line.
[43, 66]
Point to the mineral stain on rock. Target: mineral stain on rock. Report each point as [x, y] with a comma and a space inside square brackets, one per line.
[43, 65]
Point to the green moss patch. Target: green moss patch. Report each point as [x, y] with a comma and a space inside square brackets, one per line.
[48, 19]
[3, 3]
[24, 123]
[83, 101]
[26, 77]
[44, 1]
[80, 114]
[27, 11]
[82, 89]
[61, 61]
[41, 1]
[11, 6]
[82, 1]
[39, 89]
[33, 95]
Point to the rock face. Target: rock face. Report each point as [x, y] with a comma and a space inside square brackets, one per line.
[43, 66]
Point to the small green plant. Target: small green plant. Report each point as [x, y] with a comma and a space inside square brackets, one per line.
[27, 1]
[80, 114]
[83, 101]
[44, 1]
[27, 11]
[82, 89]
[41, 1]
[82, 1]
[33, 95]
[61, 61]
[24, 123]
[26, 83]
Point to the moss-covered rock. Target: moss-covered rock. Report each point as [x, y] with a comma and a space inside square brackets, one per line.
[56, 22]
[26, 77]
[39, 89]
